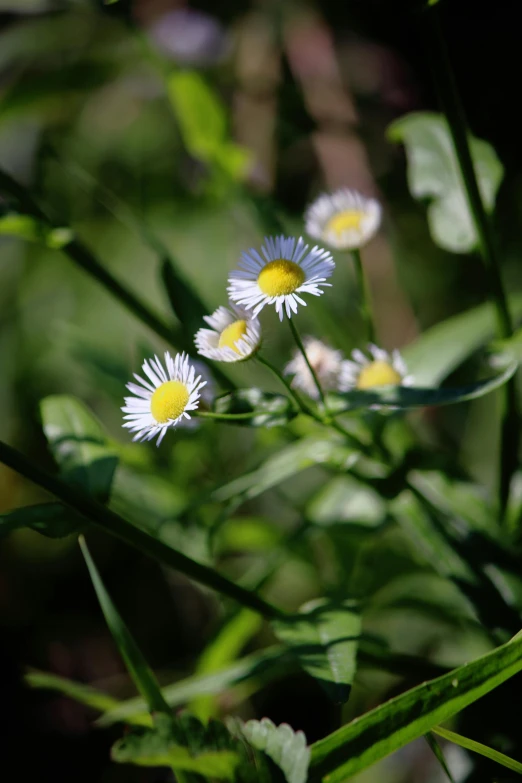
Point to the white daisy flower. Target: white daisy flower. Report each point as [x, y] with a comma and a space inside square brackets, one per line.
[235, 335]
[382, 369]
[345, 220]
[163, 400]
[326, 361]
[208, 392]
[284, 269]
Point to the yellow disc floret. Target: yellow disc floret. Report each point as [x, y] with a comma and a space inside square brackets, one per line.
[231, 334]
[280, 277]
[378, 373]
[349, 220]
[169, 401]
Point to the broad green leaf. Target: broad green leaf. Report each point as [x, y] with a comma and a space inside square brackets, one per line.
[443, 347]
[29, 228]
[49, 519]
[286, 747]
[78, 445]
[400, 720]
[264, 665]
[434, 173]
[324, 637]
[83, 694]
[221, 651]
[344, 500]
[268, 409]
[154, 747]
[137, 667]
[478, 747]
[185, 302]
[405, 397]
[286, 463]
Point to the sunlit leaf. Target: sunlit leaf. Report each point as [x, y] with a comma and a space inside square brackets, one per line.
[433, 173]
[179, 745]
[137, 667]
[78, 445]
[442, 348]
[222, 650]
[344, 500]
[50, 519]
[406, 397]
[271, 410]
[324, 637]
[400, 720]
[289, 461]
[83, 694]
[32, 230]
[286, 747]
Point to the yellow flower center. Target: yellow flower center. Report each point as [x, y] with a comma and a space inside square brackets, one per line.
[280, 277]
[169, 401]
[231, 334]
[378, 373]
[349, 220]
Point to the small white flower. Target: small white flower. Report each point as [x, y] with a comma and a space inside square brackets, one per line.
[344, 220]
[235, 335]
[163, 400]
[326, 361]
[208, 392]
[284, 269]
[382, 369]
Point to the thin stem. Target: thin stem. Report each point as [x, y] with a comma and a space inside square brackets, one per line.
[299, 343]
[225, 416]
[452, 107]
[117, 526]
[300, 403]
[364, 295]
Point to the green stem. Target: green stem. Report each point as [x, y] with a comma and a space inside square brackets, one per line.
[117, 526]
[452, 107]
[364, 295]
[225, 416]
[299, 343]
[300, 403]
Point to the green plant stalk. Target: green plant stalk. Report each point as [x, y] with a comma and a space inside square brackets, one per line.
[224, 416]
[478, 747]
[299, 402]
[364, 295]
[439, 755]
[113, 523]
[300, 346]
[452, 107]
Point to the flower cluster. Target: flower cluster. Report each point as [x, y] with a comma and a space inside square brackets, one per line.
[280, 273]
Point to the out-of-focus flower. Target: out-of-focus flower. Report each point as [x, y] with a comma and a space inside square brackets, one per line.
[235, 335]
[344, 220]
[284, 269]
[165, 399]
[326, 362]
[382, 369]
[190, 37]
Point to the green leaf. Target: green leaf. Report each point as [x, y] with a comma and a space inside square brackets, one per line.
[344, 500]
[83, 694]
[272, 410]
[324, 637]
[161, 747]
[439, 755]
[434, 173]
[29, 228]
[406, 397]
[222, 650]
[478, 747]
[400, 720]
[286, 463]
[50, 519]
[137, 667]
[78, 445]
[185, 302]
[442, 348]
[286, 747]
[200, 114]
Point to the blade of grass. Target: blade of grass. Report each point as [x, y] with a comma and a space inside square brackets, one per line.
[478, 747]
